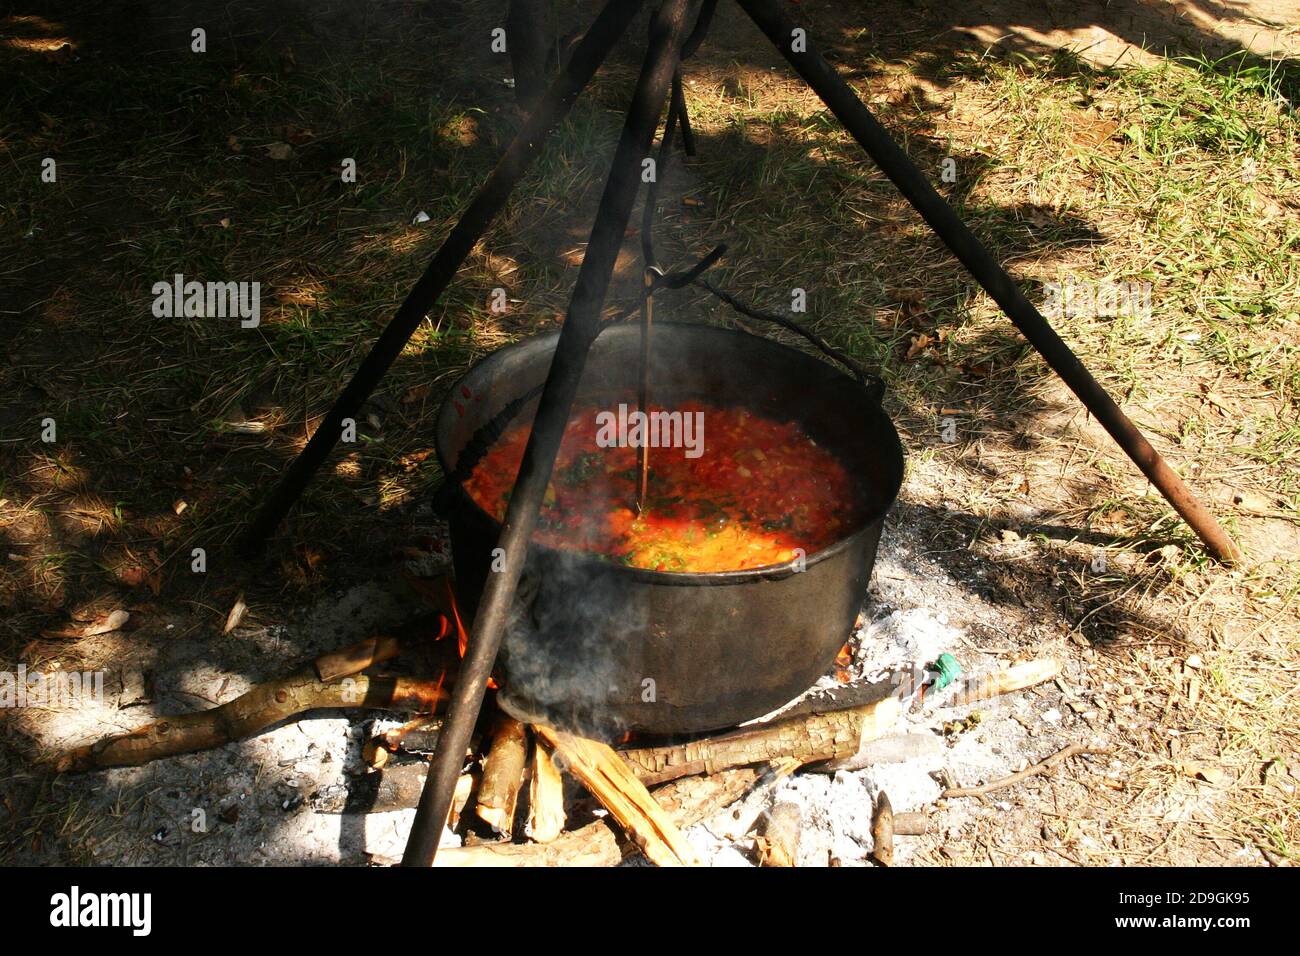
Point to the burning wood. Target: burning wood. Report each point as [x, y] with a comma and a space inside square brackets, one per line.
[545, 798]
[417, 736]
[503, 775]
[685, 802]
[466, 784]
[613, 783]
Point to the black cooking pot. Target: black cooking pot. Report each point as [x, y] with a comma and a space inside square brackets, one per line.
[600, 648]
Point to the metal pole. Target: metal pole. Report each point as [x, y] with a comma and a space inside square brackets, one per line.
[580, 329]
[590, 52]
[947, 225]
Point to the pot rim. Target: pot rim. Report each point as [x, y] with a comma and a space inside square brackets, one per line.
[677, 578]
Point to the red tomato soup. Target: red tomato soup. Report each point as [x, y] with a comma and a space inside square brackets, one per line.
[760, 490]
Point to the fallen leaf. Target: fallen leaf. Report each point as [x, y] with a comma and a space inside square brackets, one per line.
[310, 556]
[132, 575]
[1037, 217]
[919, 344]
[1272, 768]
[1090, 132]
[236, 614]
[1201, 771]
[1218, 402]
[413, 460]
[110, 622]
[1166, 555]
[278, 151]
[417, 394]
[1251, 502]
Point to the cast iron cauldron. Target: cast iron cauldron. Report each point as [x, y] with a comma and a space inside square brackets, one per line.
[601, 648]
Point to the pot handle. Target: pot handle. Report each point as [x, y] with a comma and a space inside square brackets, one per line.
[872, 382]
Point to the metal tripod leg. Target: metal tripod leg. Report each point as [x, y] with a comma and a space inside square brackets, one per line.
[581, 326]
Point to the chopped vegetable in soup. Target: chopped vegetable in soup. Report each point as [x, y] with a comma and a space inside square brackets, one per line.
[760, 490]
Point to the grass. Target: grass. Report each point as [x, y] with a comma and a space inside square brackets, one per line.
[1183, 175]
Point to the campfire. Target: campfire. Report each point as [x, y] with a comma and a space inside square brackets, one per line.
[532, 794]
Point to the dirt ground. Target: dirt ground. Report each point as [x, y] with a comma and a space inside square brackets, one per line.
[1100, 142]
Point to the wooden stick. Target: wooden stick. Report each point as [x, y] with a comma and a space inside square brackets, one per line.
[259, 708]
[686, 801]
[911, 823]
[807, 739]
[1017, 677]
[417, 736]
[466, 784]
[545, 798]
[613, 783]
[1041, 767]
[882, 831]
[503, 775]
[355, 659]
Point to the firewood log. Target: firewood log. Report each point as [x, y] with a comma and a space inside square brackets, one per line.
[545, 798]
[503, 775]
[355, 659]
[601, 843]
[812, 738]
[612, 782]
[264, 705]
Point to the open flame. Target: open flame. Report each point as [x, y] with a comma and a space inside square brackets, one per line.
[842, 661]
[440, 594]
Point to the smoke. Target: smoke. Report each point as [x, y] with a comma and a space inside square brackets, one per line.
[570, 647]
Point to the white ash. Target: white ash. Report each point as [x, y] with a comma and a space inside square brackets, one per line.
[916, 612]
